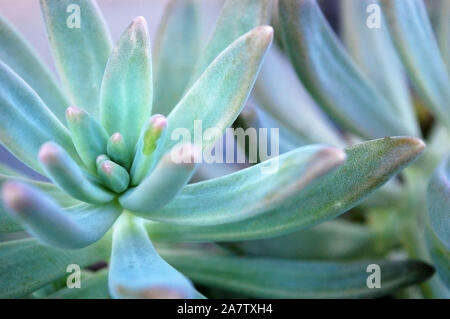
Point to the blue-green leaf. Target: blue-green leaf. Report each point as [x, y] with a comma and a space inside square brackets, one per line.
[444, 32]
[368, 166]
[21, 57]
[65, 173]
[281, 278]
[26, 265]
[26, 122]
[80, 50]
[43, 218]
[176, 46]
[136, 269]
[374, 51]
[173, 171]
[221, 92]
[420, 54]
[236, 18]
[330, 75]
[127, 88]
[93, 286]
[266, 186]
[438, 198]
[280, 93]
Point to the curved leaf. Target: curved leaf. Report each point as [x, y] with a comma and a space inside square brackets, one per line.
[93, 286]
[278, 278]
[136, 269]
[127, 88]
[26, 265]
[236, 18]
[374, 51]
[252, 191]
[420, 54]
[177, 45]
[22, 58]
[40, 216]
[80, 49]
[221, 92]
[368, 166]
[25, 121]
[330, 75]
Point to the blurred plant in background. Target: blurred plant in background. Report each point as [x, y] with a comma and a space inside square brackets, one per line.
[275, 235]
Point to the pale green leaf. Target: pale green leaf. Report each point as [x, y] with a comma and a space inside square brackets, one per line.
[93, 286]
[80, 44]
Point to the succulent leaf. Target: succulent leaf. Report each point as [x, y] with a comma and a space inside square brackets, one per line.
[278, 278]
[80, 51]
[177, 45]
[88, 136]
[375, 53]
[368, 166]
[418, 48]
[444, 32]
[113, 176]
[173, 171]
[65, 173]
[42, 217]
[41, 264]
[136, 269]
[26, 122]
[22, 58]
[221, 92]
[117, 150]
[330, 75]
[95, 286]
[220, 200]
[237, 17]
[148, 148]
[127, 88]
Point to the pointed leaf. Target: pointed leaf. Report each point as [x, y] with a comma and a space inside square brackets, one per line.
[368, 166]
[237, 17]
[65, 173]
[177, 46]
[266, 186]
[330, 75]
[22, 58]
[74, 228]
[173, 171]
[420, 54]
[221, 92]
[80, 44]
[136, 269]
[278, 278]
[26, 265]
[127, 89]
[25, 121]
[374, 51]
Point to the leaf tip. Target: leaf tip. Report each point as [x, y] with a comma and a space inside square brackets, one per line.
[14, 195]
[49, 152]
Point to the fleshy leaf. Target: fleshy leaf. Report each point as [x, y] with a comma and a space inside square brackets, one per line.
[237, 17]
[80, 44]
[25, 121]
[278, 278]
[418, 48]
[177, 45]
[368, 166]
[114, 176]
[444, 32]
[173, 171]
[94, 286]
[22, 58]
[127, 89]
[330, 75]
[280, 93]
[221, 92]
[117, 150]
[438, 198]
[43, 218]
[26, 265]
[65, 173]
[136, 269]
[266, 186]
[374, 51]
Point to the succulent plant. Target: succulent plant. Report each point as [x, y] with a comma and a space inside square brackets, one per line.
[118, 196]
